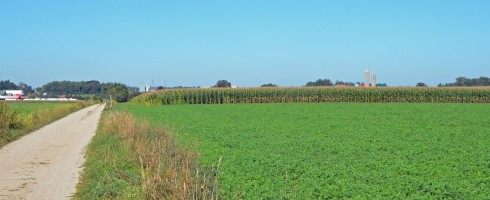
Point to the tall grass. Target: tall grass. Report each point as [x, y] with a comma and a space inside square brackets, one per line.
[8, 119]
[14, 123]
[161, 168]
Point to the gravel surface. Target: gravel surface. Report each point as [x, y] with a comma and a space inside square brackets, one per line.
[46, 164]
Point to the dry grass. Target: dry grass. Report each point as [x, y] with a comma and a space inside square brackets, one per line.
[5, 117]
[167, 170]
[15, 123]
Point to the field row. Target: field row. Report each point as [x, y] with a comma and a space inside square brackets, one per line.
[315, 95]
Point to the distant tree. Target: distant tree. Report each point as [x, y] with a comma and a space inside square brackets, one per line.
[223, 84]
[344, 83]
[268, 85]
[421, 84]
[320, 82]
[27, 89]
[72, 87]
[463, 81]
[133, 94]
[381, 85]
[118, 91]
[160, 88]
[133, 89]
[7, 85]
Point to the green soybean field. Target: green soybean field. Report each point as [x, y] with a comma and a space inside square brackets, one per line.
[337, 150]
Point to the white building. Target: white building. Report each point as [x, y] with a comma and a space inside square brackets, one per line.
[14, 92]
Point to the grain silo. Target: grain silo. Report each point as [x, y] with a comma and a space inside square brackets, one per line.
[373, 80]
[367, 75]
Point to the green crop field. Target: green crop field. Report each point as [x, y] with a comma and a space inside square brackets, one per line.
[338, 150]
[316, 95]
[27, 107]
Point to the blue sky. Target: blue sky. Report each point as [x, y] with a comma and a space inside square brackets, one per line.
[249, 43]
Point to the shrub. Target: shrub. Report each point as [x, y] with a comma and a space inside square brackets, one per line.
[9, 119]
[4, 117]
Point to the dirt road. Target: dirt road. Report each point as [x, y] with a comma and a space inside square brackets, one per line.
[46, 164]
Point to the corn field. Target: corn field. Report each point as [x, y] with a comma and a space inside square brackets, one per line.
[315, 95]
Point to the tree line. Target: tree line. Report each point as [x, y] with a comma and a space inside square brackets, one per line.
[7, 85]
[95, 89]
[319, 82]
[75, 89]
[463, 81]
[122, 93]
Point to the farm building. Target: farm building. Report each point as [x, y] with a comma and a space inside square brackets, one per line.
[15, 92]
[11, 95]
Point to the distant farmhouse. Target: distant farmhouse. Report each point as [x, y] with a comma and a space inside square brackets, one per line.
[11, 95]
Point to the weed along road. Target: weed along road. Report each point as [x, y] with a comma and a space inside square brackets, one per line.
[47, 163]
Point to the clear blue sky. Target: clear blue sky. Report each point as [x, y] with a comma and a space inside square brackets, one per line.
[247, 42]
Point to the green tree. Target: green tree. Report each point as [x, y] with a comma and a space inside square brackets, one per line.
[320, 82]
[118, 91]
[268, 85]
[421, 84]
[27, 89]
[463, 81]
[7, 85]
[223, 84]
[72, 87]
[344, 83]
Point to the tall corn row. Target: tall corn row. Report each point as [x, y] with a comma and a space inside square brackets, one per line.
[315, 95]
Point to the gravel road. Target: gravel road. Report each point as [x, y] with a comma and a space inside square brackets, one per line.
[46, 164]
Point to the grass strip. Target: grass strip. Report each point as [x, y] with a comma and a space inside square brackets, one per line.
[130, 159]
[110, 170]
[18, 119]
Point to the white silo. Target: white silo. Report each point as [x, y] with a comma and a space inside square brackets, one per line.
[373, 80]
[367, 75]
